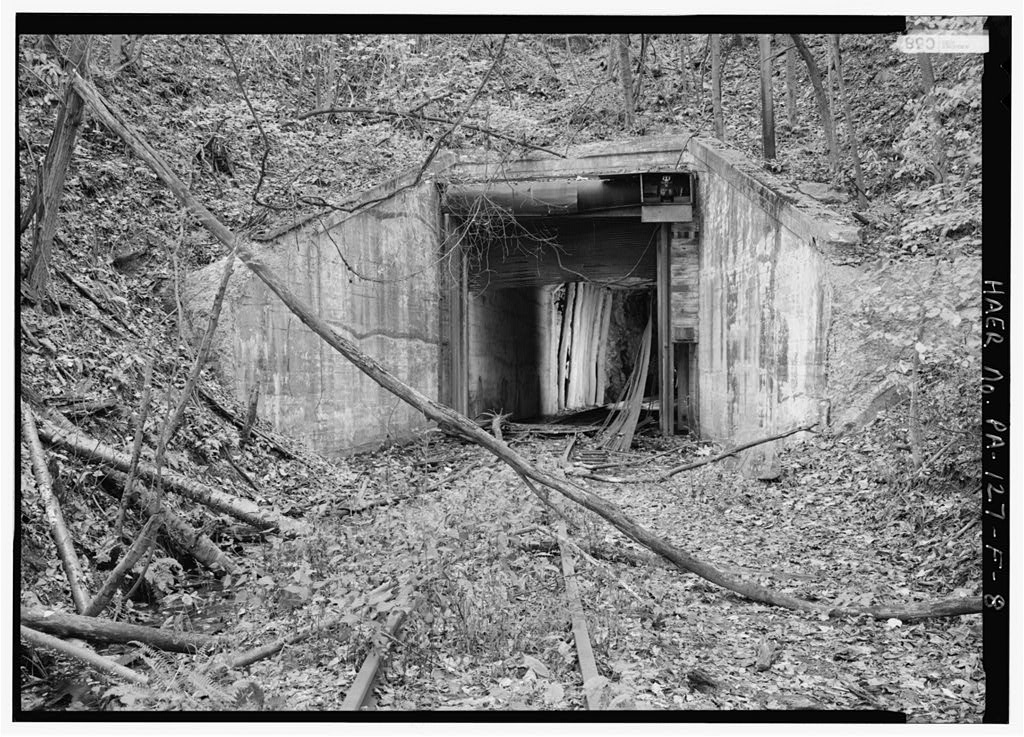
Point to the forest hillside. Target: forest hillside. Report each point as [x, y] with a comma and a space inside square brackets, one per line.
[151, 497]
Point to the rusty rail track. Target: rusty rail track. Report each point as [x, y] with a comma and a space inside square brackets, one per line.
[580, 633]
[360, 693]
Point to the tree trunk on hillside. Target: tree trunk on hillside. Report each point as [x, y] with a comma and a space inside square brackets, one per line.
[767, 101]
[851, 128]
[445, 416]
[716, 85]
[819, 95]
[829, 87]
[303, 54]
[626, 80]
[182, 536]
[924, 61]
[318, 75]
[641, 70]
[685, 70]
[791, 86]
[116, 44]
[55, 168]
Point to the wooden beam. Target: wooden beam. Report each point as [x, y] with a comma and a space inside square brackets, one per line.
[680, 355]
[664, 307]
[564, 338]
[462, 377]
[445, 313]
[549, 391]
[693, 387]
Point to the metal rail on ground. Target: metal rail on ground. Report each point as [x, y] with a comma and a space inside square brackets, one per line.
[360, 694]
[580, 633]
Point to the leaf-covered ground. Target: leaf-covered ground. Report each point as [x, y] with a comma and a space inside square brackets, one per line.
[489, 626]
[462, 543]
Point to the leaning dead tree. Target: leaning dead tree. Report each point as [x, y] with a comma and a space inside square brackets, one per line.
[716, 85]
[851, 127]
[626, 80]
[824, 110]
[767, 98]
[46, 205]
[459, 423]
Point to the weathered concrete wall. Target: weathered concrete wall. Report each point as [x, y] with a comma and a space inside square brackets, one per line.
[764, 303]
[374, 277]
[763, 308]
[509, 347]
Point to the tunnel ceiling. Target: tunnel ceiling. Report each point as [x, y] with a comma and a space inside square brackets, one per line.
[615, 251]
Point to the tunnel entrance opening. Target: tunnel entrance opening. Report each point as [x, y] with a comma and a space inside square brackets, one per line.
[556, 285]
[545, 351]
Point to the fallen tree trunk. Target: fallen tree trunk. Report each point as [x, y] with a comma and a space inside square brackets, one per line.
[88, 447]
[106, 666]
[952, 607]
[54, 516]
[183, 536]
[96, 629]
[432, 409]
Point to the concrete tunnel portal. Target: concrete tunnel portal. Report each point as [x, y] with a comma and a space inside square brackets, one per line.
[521, 286]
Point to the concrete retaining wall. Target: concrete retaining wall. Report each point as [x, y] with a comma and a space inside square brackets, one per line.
[764, 304]
[763, 256]
[307, 390]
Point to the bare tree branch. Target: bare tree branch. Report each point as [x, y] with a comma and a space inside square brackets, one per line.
[458, 121]
[259, 125]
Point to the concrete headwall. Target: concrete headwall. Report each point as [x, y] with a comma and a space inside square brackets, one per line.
[374, 277]
[764, 301]
[763, 259]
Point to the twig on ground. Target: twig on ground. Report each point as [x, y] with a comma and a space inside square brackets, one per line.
[733, 451]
